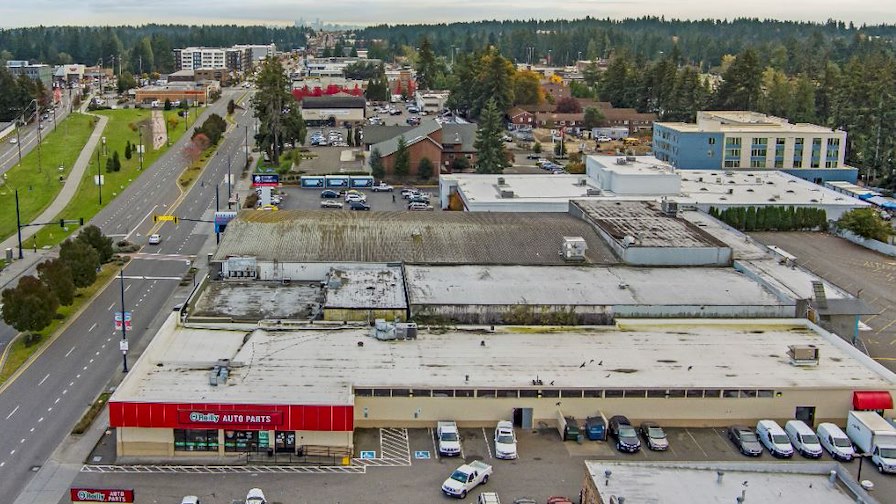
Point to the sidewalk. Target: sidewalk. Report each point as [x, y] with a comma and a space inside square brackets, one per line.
[68, 190]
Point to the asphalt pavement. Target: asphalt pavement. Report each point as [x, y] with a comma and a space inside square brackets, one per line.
[27, 137]
[39, 408]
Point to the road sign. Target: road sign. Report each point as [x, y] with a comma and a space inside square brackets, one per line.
[164, 218]
[123, 346]
[265, 180]
[127, 321]
[222, 219]
[99, 179]
[371, 454]
[421, 454]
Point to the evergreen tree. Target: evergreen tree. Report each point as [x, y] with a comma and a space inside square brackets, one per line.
[127, 150]
[425, 168]
[741, 84]
[402, 164]
[489, 146]
[270, 102]
[376, 164]
[426, 65]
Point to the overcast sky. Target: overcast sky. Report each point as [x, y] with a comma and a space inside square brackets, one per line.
[114, 12]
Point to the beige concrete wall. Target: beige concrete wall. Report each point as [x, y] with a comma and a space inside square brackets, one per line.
[140, 442]
[831, 405]
[323, 438]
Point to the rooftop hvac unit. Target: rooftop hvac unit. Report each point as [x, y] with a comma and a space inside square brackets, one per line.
[631, 159]
[592, 192]
[718, 180]
[582, 182]
[670, 207]
[730, 190]
[501, 181]
[505, 194]
[406, 330]
[621, 161]
[574, 248]
[803, 355]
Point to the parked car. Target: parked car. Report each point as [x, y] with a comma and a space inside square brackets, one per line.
[626, 436]
[329, 193]
[13, 141]
[745, 440]
[408, 192]
[533, 156]
[603, 138]
[382, 187]
[773, 437]
[835, 441]
[190, 499]
[418, 206]
[596, 427]
[449, 438]
[330, 204]
[505, 440]
[465, 478]
[419, 198]
[803, 439]
[351, 197]
[358, 205]
[155, 239]
[655, 436]
[556, 499]
[255, 496]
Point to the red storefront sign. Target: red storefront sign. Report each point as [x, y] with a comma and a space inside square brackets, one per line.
[231, 416]
[208, 418]
[101, 495]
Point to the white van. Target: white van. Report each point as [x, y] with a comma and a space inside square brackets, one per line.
[835, 441]
[773, 437]
[803, 438]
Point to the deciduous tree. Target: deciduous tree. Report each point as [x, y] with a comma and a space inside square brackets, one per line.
[82, 259]
[30, 305]
[57, 276]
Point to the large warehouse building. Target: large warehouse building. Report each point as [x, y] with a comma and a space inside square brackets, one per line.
[199, 390]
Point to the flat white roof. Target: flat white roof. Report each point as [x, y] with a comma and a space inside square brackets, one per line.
[365, 287]
[582, 285]
[320, 366]
[478, 188]
[689, 482]
[634, 165]
[759, 187]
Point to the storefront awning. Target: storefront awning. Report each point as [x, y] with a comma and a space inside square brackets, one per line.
[872, 400]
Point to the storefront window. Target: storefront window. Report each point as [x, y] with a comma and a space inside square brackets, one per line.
[241, 441]
[285, 441]
[195, 440]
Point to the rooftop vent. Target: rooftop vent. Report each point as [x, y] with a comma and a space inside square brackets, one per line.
[803, 355]
[501, 181]
[621, 160]
[574, 248]
[592, 192]
[505, 194]
[631, 159]
[669, 207]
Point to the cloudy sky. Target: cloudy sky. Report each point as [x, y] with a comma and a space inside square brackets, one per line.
[104, 12]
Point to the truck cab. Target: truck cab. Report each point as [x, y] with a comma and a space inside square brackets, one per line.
[465, 478]
[449, 438]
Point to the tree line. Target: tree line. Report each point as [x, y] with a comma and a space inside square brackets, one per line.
[31, 305]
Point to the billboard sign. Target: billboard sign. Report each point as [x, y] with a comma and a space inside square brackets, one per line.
[101, 495]
[265, 180]
[222, 219]
[127, 320]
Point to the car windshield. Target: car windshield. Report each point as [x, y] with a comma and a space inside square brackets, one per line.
[459, 476]
[780, 439]
[656, 433]
[842, 442]
[810, 439]
[449, 436]
[887, 453]
[747, 437]
[505, 439]
[627, 431]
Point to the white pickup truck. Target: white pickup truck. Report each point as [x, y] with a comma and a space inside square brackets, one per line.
[465, 478]
[449, 438]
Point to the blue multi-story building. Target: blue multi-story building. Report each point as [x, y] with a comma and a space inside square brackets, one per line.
[749, 140]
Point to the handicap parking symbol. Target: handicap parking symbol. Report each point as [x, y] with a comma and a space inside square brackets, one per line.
[421, 454]
[368, 454]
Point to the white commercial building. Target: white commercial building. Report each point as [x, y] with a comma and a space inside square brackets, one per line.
[431, 102]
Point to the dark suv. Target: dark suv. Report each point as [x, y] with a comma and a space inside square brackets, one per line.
[626, 436]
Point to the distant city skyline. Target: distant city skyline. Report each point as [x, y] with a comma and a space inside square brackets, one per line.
[367, 12]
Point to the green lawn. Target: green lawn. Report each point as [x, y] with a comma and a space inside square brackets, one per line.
[123, 126]
[38, 183]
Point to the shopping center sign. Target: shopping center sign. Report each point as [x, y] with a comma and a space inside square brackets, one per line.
[250, 418]
[101, 495]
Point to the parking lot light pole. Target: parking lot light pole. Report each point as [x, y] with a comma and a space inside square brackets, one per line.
[19, 225]
[228, 182]
[124, 328]
[99, 176]
[861, 459]
[217, 208]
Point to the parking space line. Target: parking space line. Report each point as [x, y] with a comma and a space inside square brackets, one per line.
[487, 446]
[696, 443]
[435, 449]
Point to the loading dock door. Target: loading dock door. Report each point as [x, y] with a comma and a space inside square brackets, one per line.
[806, 414]
[522, 418]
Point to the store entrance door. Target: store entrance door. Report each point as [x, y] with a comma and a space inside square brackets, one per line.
[285, 442]
[522, 418]
[806, 414]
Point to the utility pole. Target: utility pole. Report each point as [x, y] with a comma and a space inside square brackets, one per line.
[19, 225]
[99, 176]
[247, 148]
[123, 345]
[19, 139]
[217, 234]
[228, 182]
[140, 147]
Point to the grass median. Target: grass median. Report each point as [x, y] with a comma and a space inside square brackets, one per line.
[37, 177]
[20, 351]
[124, 126]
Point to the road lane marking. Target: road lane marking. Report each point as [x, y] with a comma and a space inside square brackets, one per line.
[128, 287]
[487, 446]
[92, 327]
[41, 419]
[65, 392]
[12, 413]
[45, 379]
[696, 443]
[56, 401]
[22, 441]
[70, 351]
[110, 307]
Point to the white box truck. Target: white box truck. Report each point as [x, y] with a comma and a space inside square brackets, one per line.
[874, 436]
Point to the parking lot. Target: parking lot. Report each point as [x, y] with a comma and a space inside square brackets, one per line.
[406, 468]
[297, 198]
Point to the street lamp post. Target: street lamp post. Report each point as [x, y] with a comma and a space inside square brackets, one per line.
[19, 225]
[861, 459]
[228, 182]
[123, 345]
[99, 177]
[140, 146]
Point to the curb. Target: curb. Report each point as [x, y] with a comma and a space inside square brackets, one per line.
[58, 332]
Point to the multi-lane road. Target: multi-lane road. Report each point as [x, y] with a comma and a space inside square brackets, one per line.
[41, 406]
[27, 137]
